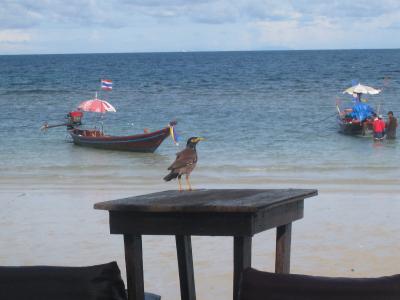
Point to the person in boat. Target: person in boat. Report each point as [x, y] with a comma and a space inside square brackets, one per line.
[391, 126]
[379, 127]
[74, 119]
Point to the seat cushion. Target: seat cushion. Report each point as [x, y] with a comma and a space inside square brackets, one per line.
[62, 283]
[257, 285]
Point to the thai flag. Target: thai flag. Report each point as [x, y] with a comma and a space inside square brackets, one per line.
[106, 84]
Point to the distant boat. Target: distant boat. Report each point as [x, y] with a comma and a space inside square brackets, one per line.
[350, 126]
[95, 138]
[357, 119]
[145, 142]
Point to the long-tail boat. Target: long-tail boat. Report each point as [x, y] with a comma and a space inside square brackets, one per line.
[357, 120]
[352, 126]
[145, 142]
[94, 138]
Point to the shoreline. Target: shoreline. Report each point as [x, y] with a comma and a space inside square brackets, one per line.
[359, 185]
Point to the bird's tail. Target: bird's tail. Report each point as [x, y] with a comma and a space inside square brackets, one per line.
[171, 176]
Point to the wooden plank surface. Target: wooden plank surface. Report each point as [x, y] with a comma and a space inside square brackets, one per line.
[224, 200]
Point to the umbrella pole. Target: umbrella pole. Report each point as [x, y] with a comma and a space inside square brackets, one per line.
[338, 109]
[101, 123]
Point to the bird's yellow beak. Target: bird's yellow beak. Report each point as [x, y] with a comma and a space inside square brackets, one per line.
[200, 139]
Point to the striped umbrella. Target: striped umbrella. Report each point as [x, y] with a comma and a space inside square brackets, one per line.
[96, 105]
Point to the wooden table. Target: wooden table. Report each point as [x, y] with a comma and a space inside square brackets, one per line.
[237, 213]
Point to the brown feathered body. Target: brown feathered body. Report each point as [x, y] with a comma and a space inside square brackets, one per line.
[184, 163]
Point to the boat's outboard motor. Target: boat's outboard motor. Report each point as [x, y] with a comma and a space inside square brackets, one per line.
[74, 119]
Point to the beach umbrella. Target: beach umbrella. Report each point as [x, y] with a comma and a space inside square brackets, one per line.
[361, 89]
[96, 105]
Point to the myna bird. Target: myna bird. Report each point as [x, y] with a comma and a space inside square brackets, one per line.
[184, 163]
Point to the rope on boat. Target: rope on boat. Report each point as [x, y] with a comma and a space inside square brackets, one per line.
[318, 121]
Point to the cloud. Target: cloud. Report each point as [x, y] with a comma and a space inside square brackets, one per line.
[15, 16]
[14, 37]
[216, 11]
[355, 9]
[292, 34]
[72, 13]
[122, 13]
[159, 25]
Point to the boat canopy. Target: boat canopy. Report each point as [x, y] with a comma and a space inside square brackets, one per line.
[361, 111]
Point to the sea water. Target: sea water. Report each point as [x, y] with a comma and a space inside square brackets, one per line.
[264, 114]
[269, 121]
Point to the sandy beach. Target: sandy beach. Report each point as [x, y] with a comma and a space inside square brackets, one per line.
[344, 232]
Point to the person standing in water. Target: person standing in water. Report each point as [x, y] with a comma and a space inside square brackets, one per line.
[391, 126]
[379, 127]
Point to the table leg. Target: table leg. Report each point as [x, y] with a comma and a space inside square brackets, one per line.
[241, 260]
[185, 264]
[134, 266]
[283, 241]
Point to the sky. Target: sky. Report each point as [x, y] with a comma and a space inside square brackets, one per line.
[114, 26]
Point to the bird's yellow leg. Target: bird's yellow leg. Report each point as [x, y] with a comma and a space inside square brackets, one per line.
[189, 187]
[180, 184]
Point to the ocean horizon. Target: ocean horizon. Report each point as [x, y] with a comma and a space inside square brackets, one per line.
[202, 51]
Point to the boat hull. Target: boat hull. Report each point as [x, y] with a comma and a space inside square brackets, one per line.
[146, 142]
[350, 128]
[355, 127]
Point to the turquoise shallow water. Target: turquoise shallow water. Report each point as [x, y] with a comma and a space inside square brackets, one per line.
[264, 114]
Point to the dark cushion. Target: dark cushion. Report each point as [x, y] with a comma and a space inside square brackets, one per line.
[100, 282]
[150, 296]
[256, 285]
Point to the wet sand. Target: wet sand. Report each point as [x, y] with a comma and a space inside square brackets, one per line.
[344, 232]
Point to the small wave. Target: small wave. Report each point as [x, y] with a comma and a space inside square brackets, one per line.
[34, 91]
[297, 168]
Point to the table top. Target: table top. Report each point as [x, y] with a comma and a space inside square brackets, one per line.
[207, 201]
